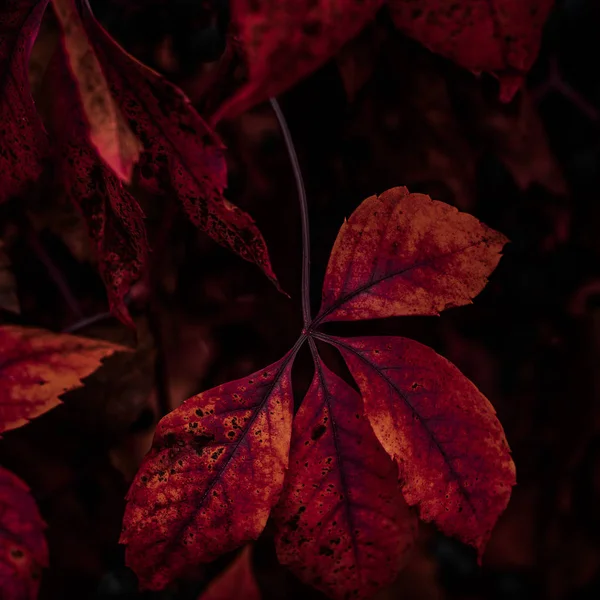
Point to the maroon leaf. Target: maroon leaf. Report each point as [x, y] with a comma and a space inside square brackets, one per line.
[214, 472]
[22, 137]
[285, 40]
[182, 155]
[444, 434]
[23, 550]
[114, 219]
[342, 523]
[498, 36]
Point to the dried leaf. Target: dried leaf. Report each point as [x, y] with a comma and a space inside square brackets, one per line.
[285, 40]
[214, 472]
[23, 550]
[501, 37]
[38, 366]
[22, 137]
[108, 130]
[8, 286]
[406, 254]
[342, 523]
[444, 434]
[182, 154]
[114, 219]
[236, 582]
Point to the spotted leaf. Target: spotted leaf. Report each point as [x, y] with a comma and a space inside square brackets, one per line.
[23, 550]
[285, 40]
[497, 36]
[343, 525]
[443, 433]
[114, 219]
[183, 157]
[23, 140]
[406, 254]
[38, 366]
[214, 472]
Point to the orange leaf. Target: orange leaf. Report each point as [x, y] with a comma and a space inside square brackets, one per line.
[285, 40]
[38, 366]
[498, 36]
[406, 254]
[342, 523]
[215, 469]
[236, 582]
[23, 550]
[109, 132]
[444, 434]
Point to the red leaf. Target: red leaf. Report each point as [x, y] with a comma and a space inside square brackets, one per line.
[498, 36]
[443, 432]
[108, 131]
[22, 137]
[215, 469]
[406, 254]
[236, 582]
[180, 148]
[285, 40]
[342, 523]
[38, 366]
[114, 219]
[23, 550]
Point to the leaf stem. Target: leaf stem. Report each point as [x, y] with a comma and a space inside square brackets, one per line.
[303, 212]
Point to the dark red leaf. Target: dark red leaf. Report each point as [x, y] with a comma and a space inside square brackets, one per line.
[444, 434]
[114, 219]
[214, 472]
[285, 40]
[343, 525]
[236, 582]
[406, 254]
[22, 137]
[38, 366]
[183, 157]
[497, 36]
[23, 550]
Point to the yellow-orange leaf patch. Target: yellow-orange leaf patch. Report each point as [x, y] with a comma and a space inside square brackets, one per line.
[444, 434]
[343, 525]
[214, 472]
[38, 366]
[406, 254]
[108, 130]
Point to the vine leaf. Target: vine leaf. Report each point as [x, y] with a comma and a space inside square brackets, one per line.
[23, 140]
[40, 366]
[343, 525]
[237, 582]
[406, 254]
[108, 130]
[23, 550]
[115, 221]
[183, 158]
[452, 453]
[285, 40]
[501, 37]
[214, 472]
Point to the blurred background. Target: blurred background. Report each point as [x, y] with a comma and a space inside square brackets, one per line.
[384, 112]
